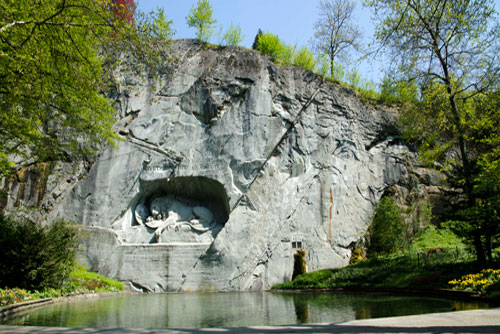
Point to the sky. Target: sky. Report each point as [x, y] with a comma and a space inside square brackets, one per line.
[292, 20]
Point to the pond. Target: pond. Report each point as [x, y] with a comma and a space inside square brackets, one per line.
[231, 309]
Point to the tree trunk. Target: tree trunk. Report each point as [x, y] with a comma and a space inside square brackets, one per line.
[331, 67]
[487, 234]
[463, 149]
[467, 174]
[478, 245]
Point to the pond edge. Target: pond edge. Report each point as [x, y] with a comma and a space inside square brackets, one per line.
[440, 293]
[30, 304]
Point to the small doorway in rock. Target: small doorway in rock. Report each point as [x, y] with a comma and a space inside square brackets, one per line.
[297, 244]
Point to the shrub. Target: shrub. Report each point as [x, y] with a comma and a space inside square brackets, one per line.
[357, 255]
[233, 35]
[299, 263]
[35, 257]
[393, 90]
[323, 68]
[387, 233]
[271, 45]
[304, 58]
[287, 53]
[81, 281]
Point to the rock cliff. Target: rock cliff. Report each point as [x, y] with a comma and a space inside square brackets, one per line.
[228, 164]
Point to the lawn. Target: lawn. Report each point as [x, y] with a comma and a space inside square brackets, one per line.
[433, 259]
[80, 281]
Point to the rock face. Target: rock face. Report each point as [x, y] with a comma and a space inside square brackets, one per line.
[228, 163]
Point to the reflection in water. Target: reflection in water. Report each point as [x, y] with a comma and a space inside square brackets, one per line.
[301, 310]
[196, 310]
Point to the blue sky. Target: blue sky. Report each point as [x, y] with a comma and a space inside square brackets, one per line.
[291, 20]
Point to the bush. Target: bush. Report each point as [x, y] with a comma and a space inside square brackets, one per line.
[36, 257]
[80, 281]
[299, 263]
[387, 233]
[357, 255]
[233, 35]
[304, 58]
[271, 45]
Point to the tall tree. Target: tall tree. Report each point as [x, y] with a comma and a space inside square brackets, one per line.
[200, 17]
[255, 44]
[482, 216]
[52, 57]
[51, 77]
[335, 33]
[448, 44]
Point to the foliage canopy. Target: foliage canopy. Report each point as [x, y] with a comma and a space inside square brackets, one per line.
[55, 61]
[451, 49]
[200, 17]
[304, 58]
[51, 78]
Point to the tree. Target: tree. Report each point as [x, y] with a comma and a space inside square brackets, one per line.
[233, 35]
[334, 32]
[51, 77]
[304, 58]
[154, 26]
[396, 90]
[387, 232]
[450, 48]
[36, 257]
[55, 60]
[124, 10]
[483, 140]
[200, 17]
[255, 45]
[272, 46]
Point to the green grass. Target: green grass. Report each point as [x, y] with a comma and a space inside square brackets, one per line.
[396, 271]
[80, 281]
[93, 282]
[406, 269]
[433, 237]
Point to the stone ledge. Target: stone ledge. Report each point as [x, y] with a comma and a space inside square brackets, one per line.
[23, 306]
[18, 307]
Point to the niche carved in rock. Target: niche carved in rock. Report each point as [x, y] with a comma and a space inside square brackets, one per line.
[178, 210]
[167, 213]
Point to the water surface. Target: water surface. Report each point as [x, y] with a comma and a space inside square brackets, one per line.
[231, 309]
